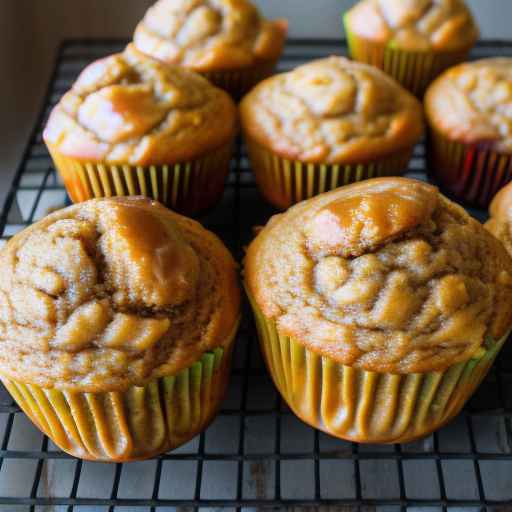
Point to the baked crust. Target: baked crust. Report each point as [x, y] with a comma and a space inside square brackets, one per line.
[210, 35]
[385, 275]
[131, 109]
[415, 25]
[112, 293]
[472, 103]
[332, 111]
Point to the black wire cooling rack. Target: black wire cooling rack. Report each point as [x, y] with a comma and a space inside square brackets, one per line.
[256, 454]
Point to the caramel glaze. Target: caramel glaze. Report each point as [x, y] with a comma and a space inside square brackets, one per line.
[113, 293]
[385, 275]
[131, 109]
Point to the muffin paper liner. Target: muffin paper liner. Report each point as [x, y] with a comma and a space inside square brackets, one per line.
[363, 406]
[414, 70]
[238, 82]
[135, 424]
[186, 187]
[469, 173]
[285, 182]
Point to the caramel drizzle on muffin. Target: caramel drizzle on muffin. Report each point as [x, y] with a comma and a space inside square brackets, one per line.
[386, 275]
[111, 293]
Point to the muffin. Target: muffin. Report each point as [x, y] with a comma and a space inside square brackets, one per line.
[227, 41]
[380, 308]
[412, 40]
[469, 113]
[132, 126]
[326, 124]
[500, 223]
[117, 321]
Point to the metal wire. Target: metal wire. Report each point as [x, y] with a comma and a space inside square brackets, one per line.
[273, 471]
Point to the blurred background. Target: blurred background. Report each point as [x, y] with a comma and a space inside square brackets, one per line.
[30, 31]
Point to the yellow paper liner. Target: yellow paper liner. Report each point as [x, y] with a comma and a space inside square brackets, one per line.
[186, 187]
[238, 82]
[413, 69]
[468, 173]
[285, 182]
[363, 406]
[135, 424]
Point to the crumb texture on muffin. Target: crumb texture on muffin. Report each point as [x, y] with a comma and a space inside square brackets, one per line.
[209, 34]
[415, 25]
[131, 109]
[472, 103]
[386, 275]
[332, 110]
[112, 293]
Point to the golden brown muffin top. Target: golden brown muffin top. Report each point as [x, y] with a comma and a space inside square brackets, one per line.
[209, 35]
[385, 275]
[500, 223]
[332, 110]
[472, 103]
[129, 108]
[112, 293]
[415, 25]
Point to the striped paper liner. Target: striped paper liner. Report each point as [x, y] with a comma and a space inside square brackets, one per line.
[238, 82]
[412, 69]
[285, 182]
[468, 173]
[363, 406]
[136, 424]
[187, 187]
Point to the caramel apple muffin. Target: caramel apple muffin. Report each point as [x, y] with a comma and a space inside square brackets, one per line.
[380, 308]
[412, 40]
[133, 126]
[227, 41]
[469, 113]
[326, 124]
[117, 321]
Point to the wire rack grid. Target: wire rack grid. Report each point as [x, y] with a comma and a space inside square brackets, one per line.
[256, 454]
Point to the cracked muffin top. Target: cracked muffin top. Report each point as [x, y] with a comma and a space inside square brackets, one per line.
[472, 103]
[209, 35]
[129, 108]
[332, 111]
[385, 275]
[415, 25]
[500, 222]
[112, 293]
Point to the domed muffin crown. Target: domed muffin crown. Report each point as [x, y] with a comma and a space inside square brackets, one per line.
[386, 275]
[332, 110]
[472, 103]
[209, 34]
[111, 292]
[129, 108]
[415, 24]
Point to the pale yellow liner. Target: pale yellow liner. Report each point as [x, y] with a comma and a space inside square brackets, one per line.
[363, 406]
[187, 187]
[412, 69]
[136, 424]
[285, 182]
